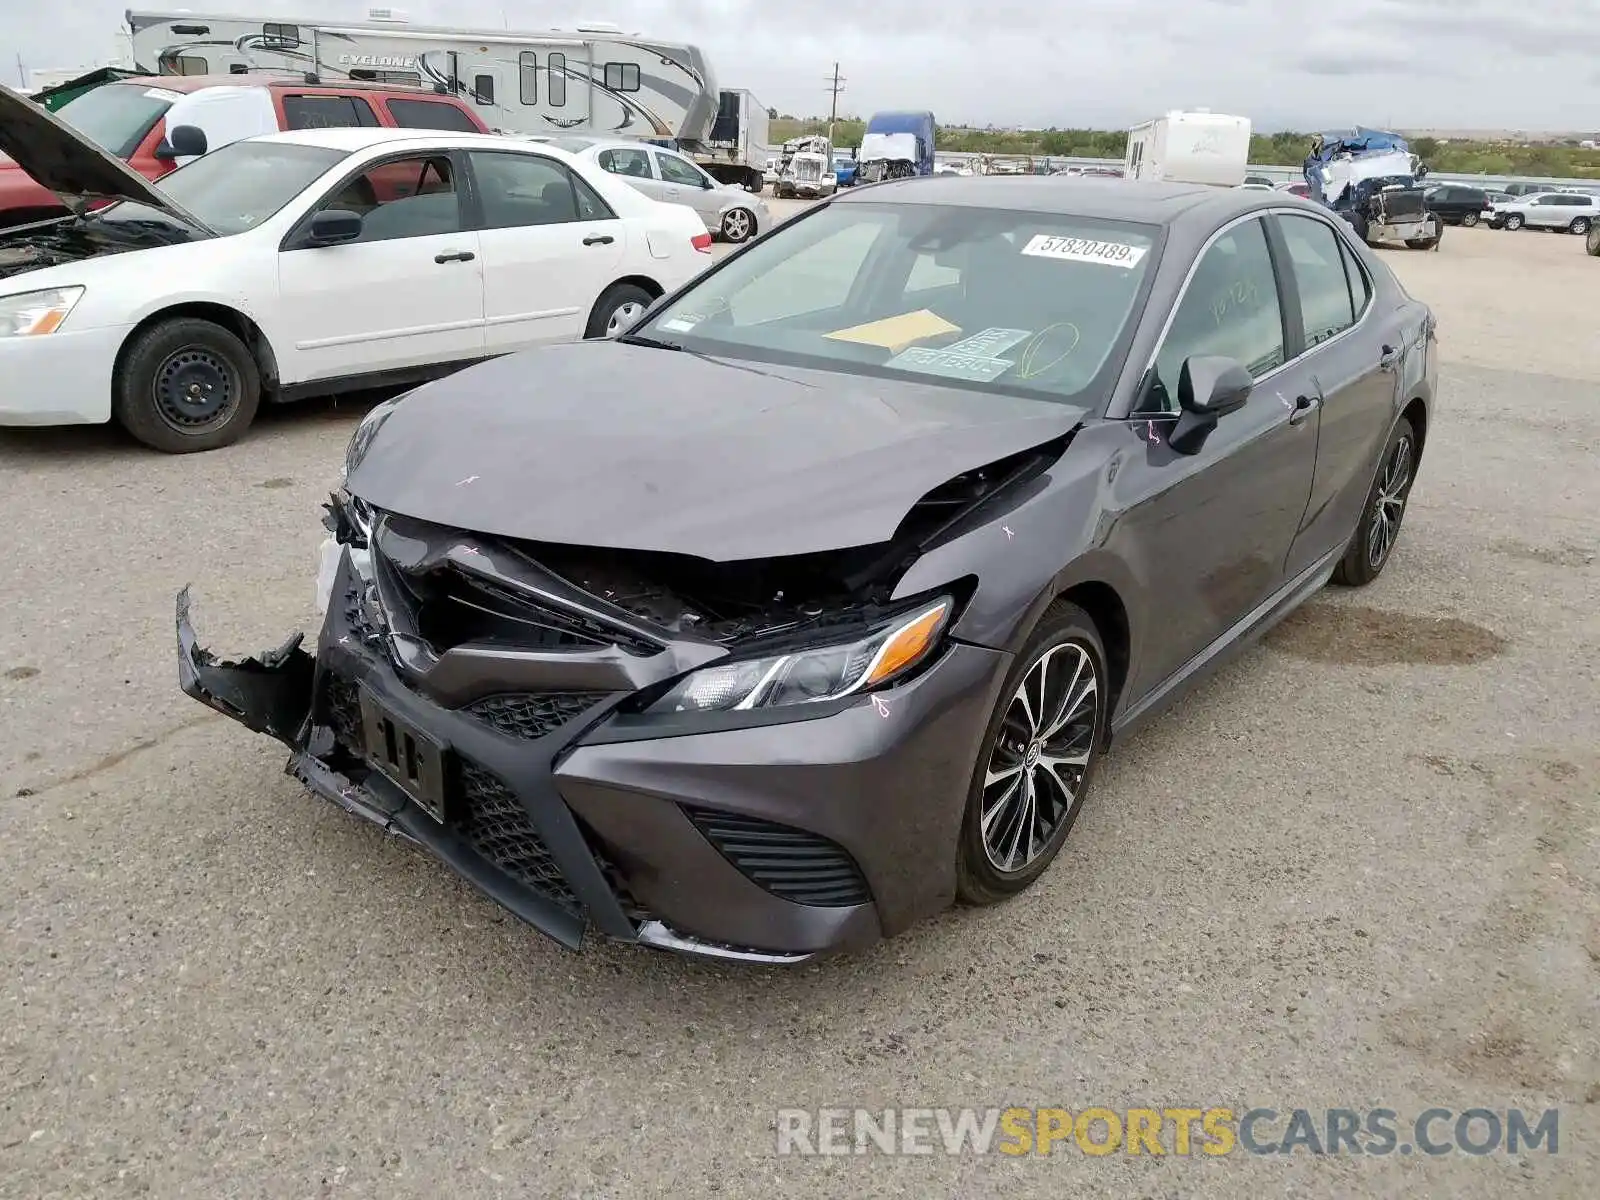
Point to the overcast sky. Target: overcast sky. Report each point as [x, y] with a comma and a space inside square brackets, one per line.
[1532, 64]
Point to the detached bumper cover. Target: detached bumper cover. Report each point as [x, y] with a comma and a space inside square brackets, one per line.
[766, 843]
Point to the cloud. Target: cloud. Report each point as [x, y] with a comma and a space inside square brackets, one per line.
[1107, 63]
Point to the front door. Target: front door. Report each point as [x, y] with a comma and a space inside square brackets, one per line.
[550, 247]
[686, 183]
[408, 292]
[1347, 377]
[1210, 531]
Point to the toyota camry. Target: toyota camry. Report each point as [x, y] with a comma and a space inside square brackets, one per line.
[808, 606]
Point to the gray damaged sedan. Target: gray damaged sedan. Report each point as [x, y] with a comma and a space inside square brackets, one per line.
[809, 605]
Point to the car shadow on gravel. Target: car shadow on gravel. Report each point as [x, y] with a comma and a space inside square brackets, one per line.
[1352, 635]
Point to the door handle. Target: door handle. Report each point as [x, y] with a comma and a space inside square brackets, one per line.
[1389, 358]
[1304, 406]
[455, 256]
[598, 239]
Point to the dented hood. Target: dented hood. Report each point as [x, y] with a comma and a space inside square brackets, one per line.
[628, 447]
[69, 164]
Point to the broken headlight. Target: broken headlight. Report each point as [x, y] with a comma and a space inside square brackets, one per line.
[815, 673]
[34, 314]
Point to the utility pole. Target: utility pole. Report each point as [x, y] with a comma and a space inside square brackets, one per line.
[835, 86]
[22, 74]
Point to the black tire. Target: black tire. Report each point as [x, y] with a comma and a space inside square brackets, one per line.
[186, 385]
[1359, 223]
[611, 305]
[1591, 243]
[1580, 226]
[1067, 629]
[1363, 561]
[738, 225]
[1469, 219]
[1514, 222]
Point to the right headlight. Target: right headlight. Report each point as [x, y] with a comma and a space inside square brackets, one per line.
[34, 314]
[814, 673]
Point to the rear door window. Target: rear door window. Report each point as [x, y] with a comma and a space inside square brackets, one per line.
[1326, 307]
[327, 112]
[430, 114]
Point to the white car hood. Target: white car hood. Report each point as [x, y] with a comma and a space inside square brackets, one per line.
[888, 146]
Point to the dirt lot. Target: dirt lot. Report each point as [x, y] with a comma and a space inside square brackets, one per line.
[1359, 867]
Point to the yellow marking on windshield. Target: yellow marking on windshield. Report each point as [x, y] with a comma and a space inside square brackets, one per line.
[1028, 366]
[896, 333]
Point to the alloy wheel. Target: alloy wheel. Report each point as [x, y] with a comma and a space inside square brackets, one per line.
[1469, 219]
[1390, 505]
[624, 318]
[1035, 773]
[194, 387]
[736, 225]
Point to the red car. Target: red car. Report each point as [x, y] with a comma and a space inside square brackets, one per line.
[132, 118]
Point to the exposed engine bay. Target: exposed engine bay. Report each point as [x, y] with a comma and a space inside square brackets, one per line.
[55, 243]
[459, 587]
[1371, 178]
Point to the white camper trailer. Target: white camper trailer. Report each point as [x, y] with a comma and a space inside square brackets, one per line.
[590, 79]
[1190, 147]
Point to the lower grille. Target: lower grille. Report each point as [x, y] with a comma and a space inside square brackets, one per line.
[532, 714]
[790, 863]
[342, 706]
[496, 825]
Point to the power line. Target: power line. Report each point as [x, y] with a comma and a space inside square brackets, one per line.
[835, 86]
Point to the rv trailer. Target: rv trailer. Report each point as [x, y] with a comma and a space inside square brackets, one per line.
[589, 79]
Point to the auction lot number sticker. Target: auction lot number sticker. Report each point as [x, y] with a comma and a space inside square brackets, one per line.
[1085, 250]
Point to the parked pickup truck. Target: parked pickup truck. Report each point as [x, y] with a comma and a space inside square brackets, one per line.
[133, 118]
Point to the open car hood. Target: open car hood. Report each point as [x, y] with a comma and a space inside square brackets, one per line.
[628, 447]
[69, 164]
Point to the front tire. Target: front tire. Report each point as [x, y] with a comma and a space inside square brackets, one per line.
[186, 385]
[1385, 509]
[1514, 222]
[618, 310]
[1037, 759]
[738, 225]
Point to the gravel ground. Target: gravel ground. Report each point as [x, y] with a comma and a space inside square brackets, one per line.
[1359, 867]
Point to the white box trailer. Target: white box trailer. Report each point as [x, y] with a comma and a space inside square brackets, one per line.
[1190, 147]
[737, 149]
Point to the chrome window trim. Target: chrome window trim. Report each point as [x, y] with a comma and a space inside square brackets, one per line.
[1257, 214]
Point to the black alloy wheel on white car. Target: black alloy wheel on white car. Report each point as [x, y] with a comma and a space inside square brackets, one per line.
[738, 225]
[1037, 760]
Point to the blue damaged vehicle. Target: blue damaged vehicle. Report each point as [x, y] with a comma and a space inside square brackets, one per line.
[896, 145]
[1371, 179]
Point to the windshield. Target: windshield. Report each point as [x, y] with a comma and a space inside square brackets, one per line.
[1021, 302]
[240, 185]
[116, 116]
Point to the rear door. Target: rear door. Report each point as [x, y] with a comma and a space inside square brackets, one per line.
[550, 246]
[409, 292]
[1340, 372]
[634, 166]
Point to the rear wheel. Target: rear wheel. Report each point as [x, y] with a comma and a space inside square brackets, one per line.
[1375, 537]
[618, 310]
[186, 385]
[1580, 226]
[1469, 219]
[1038, 758]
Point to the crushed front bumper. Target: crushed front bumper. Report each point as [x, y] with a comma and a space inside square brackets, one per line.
[766, 842]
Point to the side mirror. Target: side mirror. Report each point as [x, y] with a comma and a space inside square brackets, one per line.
[1209, 388]
[184, 141]
[332, 226]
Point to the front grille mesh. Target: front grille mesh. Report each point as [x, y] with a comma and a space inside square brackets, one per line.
[496, 825]
[532, 714]
[790, 863]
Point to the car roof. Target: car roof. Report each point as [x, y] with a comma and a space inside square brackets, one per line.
[269, 79]
[1096, 197]
[353, 139]
[605, 143]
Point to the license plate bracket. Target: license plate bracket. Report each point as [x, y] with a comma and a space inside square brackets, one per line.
[407, 757]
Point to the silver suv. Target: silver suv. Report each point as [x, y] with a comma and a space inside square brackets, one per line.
[1571, 211]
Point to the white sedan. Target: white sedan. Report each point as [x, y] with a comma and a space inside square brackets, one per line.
[308, 263]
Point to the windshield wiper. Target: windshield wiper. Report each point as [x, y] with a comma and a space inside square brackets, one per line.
[639, 339]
